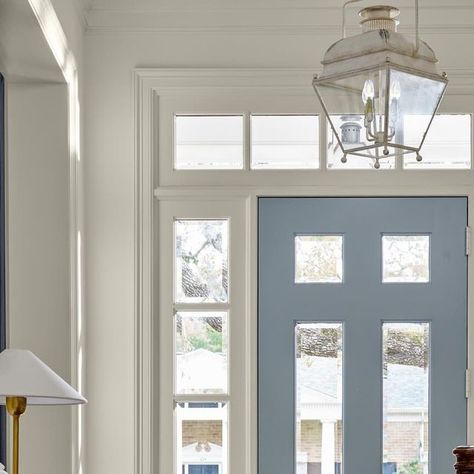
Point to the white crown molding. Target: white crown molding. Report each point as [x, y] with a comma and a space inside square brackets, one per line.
[181, 5]
[280, 19]
[281, 30]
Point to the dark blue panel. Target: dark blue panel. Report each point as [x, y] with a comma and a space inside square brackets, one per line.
[3, 429]
[389, 468]
[203, 469]
[362, 302]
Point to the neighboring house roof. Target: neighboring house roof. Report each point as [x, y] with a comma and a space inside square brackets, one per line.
[201, 370]
[406, 385]
[310, 395]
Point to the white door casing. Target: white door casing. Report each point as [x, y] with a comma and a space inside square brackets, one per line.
[159, 93]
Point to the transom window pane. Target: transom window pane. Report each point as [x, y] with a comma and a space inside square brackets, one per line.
[318, 259]
[208, 142]
[202, 261]
[406, 258]
[201, 352]
[202, 438]
[447, 145]
[406, 396]
[352, 132]
[319, 423]
[285, 141]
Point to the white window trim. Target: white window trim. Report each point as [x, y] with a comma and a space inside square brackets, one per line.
[224, 208]
[155, 86]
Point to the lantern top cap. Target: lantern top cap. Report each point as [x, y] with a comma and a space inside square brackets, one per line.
[378, 44]
[379, 17]
[374, 48]
[387, 10]
[376, 41]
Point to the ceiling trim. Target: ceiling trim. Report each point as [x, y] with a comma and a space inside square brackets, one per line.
[182, 5]
[299, 19]
[279, 30]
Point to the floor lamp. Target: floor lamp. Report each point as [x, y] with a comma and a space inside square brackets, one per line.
[26, 380]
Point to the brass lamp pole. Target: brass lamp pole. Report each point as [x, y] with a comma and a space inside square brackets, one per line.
[16, 406]
[26, 380]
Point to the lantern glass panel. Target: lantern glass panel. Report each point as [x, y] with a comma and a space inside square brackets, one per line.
[413, 99]
[376, 107]
[352, 128]
[359, 103]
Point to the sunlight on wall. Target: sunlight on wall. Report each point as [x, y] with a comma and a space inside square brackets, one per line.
[56, 39]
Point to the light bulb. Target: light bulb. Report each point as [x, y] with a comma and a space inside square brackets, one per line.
[369, 91]
[395, 91]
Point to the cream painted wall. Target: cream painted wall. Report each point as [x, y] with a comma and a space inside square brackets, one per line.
[110, 55]
[38, 220]
[38, 258]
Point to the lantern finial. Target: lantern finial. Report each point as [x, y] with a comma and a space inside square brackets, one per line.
[380, 17]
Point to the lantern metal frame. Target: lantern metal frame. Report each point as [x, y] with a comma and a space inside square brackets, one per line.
[388, 66]
[420, 56]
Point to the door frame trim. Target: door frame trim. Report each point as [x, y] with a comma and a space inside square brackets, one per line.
[248, 196]
[264, 88]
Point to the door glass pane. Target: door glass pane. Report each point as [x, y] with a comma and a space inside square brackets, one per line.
[201, 437]
[406, 396]
[318, 259]
[318, 397]
[406, 258]
[447, 145]
[202, 261]
[285, 141]
[206, 142]
[201, 352]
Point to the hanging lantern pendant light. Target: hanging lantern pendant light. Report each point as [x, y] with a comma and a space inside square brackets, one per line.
[384, 84]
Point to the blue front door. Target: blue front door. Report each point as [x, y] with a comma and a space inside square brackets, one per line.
[362, 331]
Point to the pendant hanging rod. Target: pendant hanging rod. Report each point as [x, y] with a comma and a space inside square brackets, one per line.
[417, 26]
[417, 21]
[348, 2]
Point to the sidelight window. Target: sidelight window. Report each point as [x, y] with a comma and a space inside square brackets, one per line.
[201, 369]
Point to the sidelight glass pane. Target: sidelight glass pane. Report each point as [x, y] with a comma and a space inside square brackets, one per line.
[406, 367]
[206, 142]
[406, 258]
[202, 261]
[201, 352]
[318, 397]
[285, 142]
[201, 438]
[318, 259]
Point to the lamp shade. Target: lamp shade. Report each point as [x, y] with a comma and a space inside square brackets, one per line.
[22, 374]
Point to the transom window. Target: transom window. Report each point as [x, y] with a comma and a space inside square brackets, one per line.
[285, 142]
